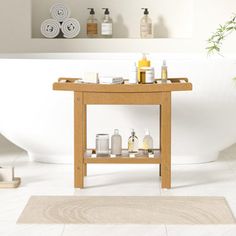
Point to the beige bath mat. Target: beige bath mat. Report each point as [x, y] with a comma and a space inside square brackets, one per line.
[126, 210]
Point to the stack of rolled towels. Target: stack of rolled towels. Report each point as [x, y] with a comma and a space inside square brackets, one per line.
[60, 23]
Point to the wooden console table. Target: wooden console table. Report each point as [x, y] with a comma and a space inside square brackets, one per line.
[124, 94]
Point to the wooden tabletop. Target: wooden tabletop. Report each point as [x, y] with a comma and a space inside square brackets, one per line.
[172, 84]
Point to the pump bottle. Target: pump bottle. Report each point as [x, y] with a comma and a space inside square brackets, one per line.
[106, 26]
[92, 25]
[146, 25]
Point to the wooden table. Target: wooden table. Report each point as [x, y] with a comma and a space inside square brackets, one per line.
[136, 94]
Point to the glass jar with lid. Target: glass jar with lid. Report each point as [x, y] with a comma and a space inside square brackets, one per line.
[102, 144]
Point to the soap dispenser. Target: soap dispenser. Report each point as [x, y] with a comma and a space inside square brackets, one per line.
[147, 142]
[92, 25]
[133, 143]
[106, 27]
[146, 25]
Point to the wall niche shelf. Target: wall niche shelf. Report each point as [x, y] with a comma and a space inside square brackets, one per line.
[111, 45]
[172, 23]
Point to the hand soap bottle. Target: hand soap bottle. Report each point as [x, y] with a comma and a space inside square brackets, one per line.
[116, 143]
[146, 25]
[106, 27]
[92, 25]
[164, 72]
[142, 63]
[147, 142]
[133, 143]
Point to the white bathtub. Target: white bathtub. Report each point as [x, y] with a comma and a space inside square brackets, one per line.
[40, 120]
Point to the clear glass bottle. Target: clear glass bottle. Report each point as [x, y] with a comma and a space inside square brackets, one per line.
[164, 72]
[92, 25]
[146, 25]
[133, 143]
[102, 144]
[116, 143]
[147, 142]
[106, 26]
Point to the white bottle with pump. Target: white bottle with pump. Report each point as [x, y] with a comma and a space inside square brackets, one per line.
[106, 26]
[146, 25]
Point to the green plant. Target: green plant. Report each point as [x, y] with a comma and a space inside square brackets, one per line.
[216, 40]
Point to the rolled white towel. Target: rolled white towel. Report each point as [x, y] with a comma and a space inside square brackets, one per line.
[50, 28]
[60, 12]
[70, 28]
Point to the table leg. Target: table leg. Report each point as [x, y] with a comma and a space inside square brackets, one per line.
[165, 119]
[85, 169]
[79, 143]
[85, 136]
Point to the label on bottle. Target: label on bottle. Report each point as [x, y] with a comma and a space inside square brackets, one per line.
[106, 28]
[92, 29]
[146, 29]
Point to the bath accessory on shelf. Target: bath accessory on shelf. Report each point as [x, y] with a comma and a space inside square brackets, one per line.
[60, 12]
[7, 178]
[70, 28]
[50, 28]
[68, 80]
[92, 24]
[102, 144]
[116, 143]
[106, 26]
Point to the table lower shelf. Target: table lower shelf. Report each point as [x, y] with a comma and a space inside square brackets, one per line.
[140, 158]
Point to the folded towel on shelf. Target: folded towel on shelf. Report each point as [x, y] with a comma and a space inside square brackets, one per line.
[50, 28]
[110, 80]
[70, 28]
[60, 12]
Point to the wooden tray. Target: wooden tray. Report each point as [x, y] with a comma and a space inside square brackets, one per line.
[12, 184]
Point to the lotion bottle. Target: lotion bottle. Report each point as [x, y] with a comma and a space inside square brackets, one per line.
[146, 25]
[106, 26]
[92, 25]
[116, 143]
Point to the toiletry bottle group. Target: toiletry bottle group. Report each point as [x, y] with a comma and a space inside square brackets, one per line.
[102, 144]
[106, 24]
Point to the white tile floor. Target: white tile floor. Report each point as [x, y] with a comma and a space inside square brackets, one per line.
[212, 179]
